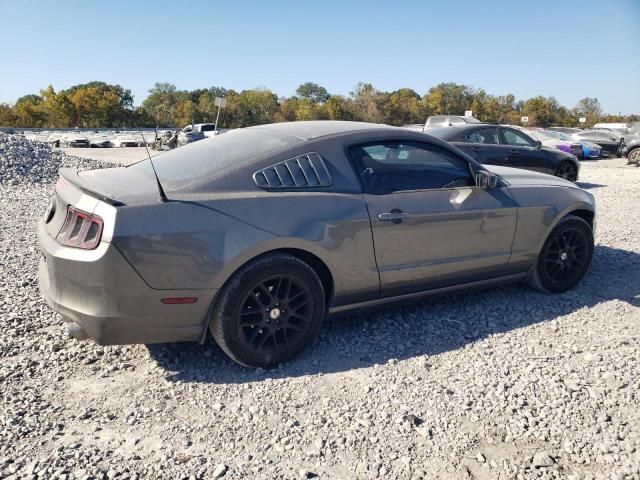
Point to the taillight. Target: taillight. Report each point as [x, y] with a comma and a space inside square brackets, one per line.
[80, 229]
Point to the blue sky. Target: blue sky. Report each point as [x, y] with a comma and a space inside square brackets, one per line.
[566, 48]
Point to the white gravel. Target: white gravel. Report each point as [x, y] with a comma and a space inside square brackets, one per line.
[25, 161]
[504, 383]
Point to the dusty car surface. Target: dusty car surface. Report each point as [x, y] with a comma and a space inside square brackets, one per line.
[257, 235]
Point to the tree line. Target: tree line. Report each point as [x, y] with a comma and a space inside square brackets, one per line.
[102, 105]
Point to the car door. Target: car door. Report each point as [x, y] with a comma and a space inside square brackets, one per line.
[432, 227]
[608, 141]
[483, 145]
[524, 152]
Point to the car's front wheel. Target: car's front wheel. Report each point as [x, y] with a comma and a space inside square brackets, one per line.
[565, 257]
[268, 311]
[568, 171]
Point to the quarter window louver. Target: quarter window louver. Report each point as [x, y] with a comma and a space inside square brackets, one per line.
[304, 171]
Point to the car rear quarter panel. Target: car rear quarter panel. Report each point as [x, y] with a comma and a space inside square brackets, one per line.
[199, 245]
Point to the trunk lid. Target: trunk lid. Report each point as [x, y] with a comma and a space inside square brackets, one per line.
[117, 186]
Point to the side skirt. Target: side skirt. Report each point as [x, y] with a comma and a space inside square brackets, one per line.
[429, 293]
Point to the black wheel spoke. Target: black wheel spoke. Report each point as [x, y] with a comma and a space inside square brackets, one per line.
[566, 257]
[275, 314]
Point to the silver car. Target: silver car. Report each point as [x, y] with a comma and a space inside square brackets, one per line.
[259, 234]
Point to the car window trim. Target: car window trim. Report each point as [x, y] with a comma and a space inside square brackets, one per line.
[350, 145]
[484, 127]
[503, 129]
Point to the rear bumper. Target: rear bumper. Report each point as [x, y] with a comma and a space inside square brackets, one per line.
[100, 291]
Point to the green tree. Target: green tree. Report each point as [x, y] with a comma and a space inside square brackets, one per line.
[367, 103]
[161, 103]
[28, 112]
[589, 108]
[542, 111]
[256, 107]
[313, 92]
[339, 108]
[448, 99]
[403, 107]
[7, 116]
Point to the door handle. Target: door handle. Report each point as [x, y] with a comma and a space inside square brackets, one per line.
[514, 151]
[476, 149]
[395, 216]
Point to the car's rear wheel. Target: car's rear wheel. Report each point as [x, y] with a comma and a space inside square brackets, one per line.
[269, 311]
[565, 257]
[568, 171]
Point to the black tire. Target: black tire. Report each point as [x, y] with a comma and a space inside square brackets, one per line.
[268, 311]
[565, 257]
[568, 171]
[633, 156]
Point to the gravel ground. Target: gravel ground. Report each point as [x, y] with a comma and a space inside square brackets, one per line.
[503, 383]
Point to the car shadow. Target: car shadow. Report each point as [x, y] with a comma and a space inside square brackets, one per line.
[416, 329]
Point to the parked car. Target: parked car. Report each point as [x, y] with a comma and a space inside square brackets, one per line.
[290, 223]
[54, 139]
[208, 129]
[621, 128]
[100, 141]
[550, 140]
[127, 140]
[74, 139]
[566, 130]
[511, 147]
[190, 137]
[448, 120]
[588, 149]
[631, 149]
[610, 142]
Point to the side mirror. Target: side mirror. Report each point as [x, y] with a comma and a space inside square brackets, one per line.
[538, 144]
[486, 180]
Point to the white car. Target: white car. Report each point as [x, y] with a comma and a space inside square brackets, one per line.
[616, 127]
[207, 129]
[74, 139]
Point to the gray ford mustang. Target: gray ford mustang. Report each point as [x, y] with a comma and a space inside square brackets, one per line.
[258, 234]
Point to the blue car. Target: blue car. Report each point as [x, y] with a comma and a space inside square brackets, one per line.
[589, 149]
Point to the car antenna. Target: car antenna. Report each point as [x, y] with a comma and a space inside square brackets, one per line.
[163, 197]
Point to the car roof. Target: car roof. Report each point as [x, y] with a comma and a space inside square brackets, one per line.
[307, 130]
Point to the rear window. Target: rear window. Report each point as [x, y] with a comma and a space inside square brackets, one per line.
[207, 128]
[203, 160]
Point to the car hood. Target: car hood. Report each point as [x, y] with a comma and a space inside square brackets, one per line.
[519, 177]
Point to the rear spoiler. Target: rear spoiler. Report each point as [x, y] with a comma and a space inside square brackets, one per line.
[71, 175]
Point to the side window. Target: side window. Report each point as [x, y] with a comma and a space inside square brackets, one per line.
[403, 166]
[488, 136]
[513, 137]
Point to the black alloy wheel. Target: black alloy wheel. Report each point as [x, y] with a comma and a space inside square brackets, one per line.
[568, 171]
[275, 314]
[565, 257]
[268, 311]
